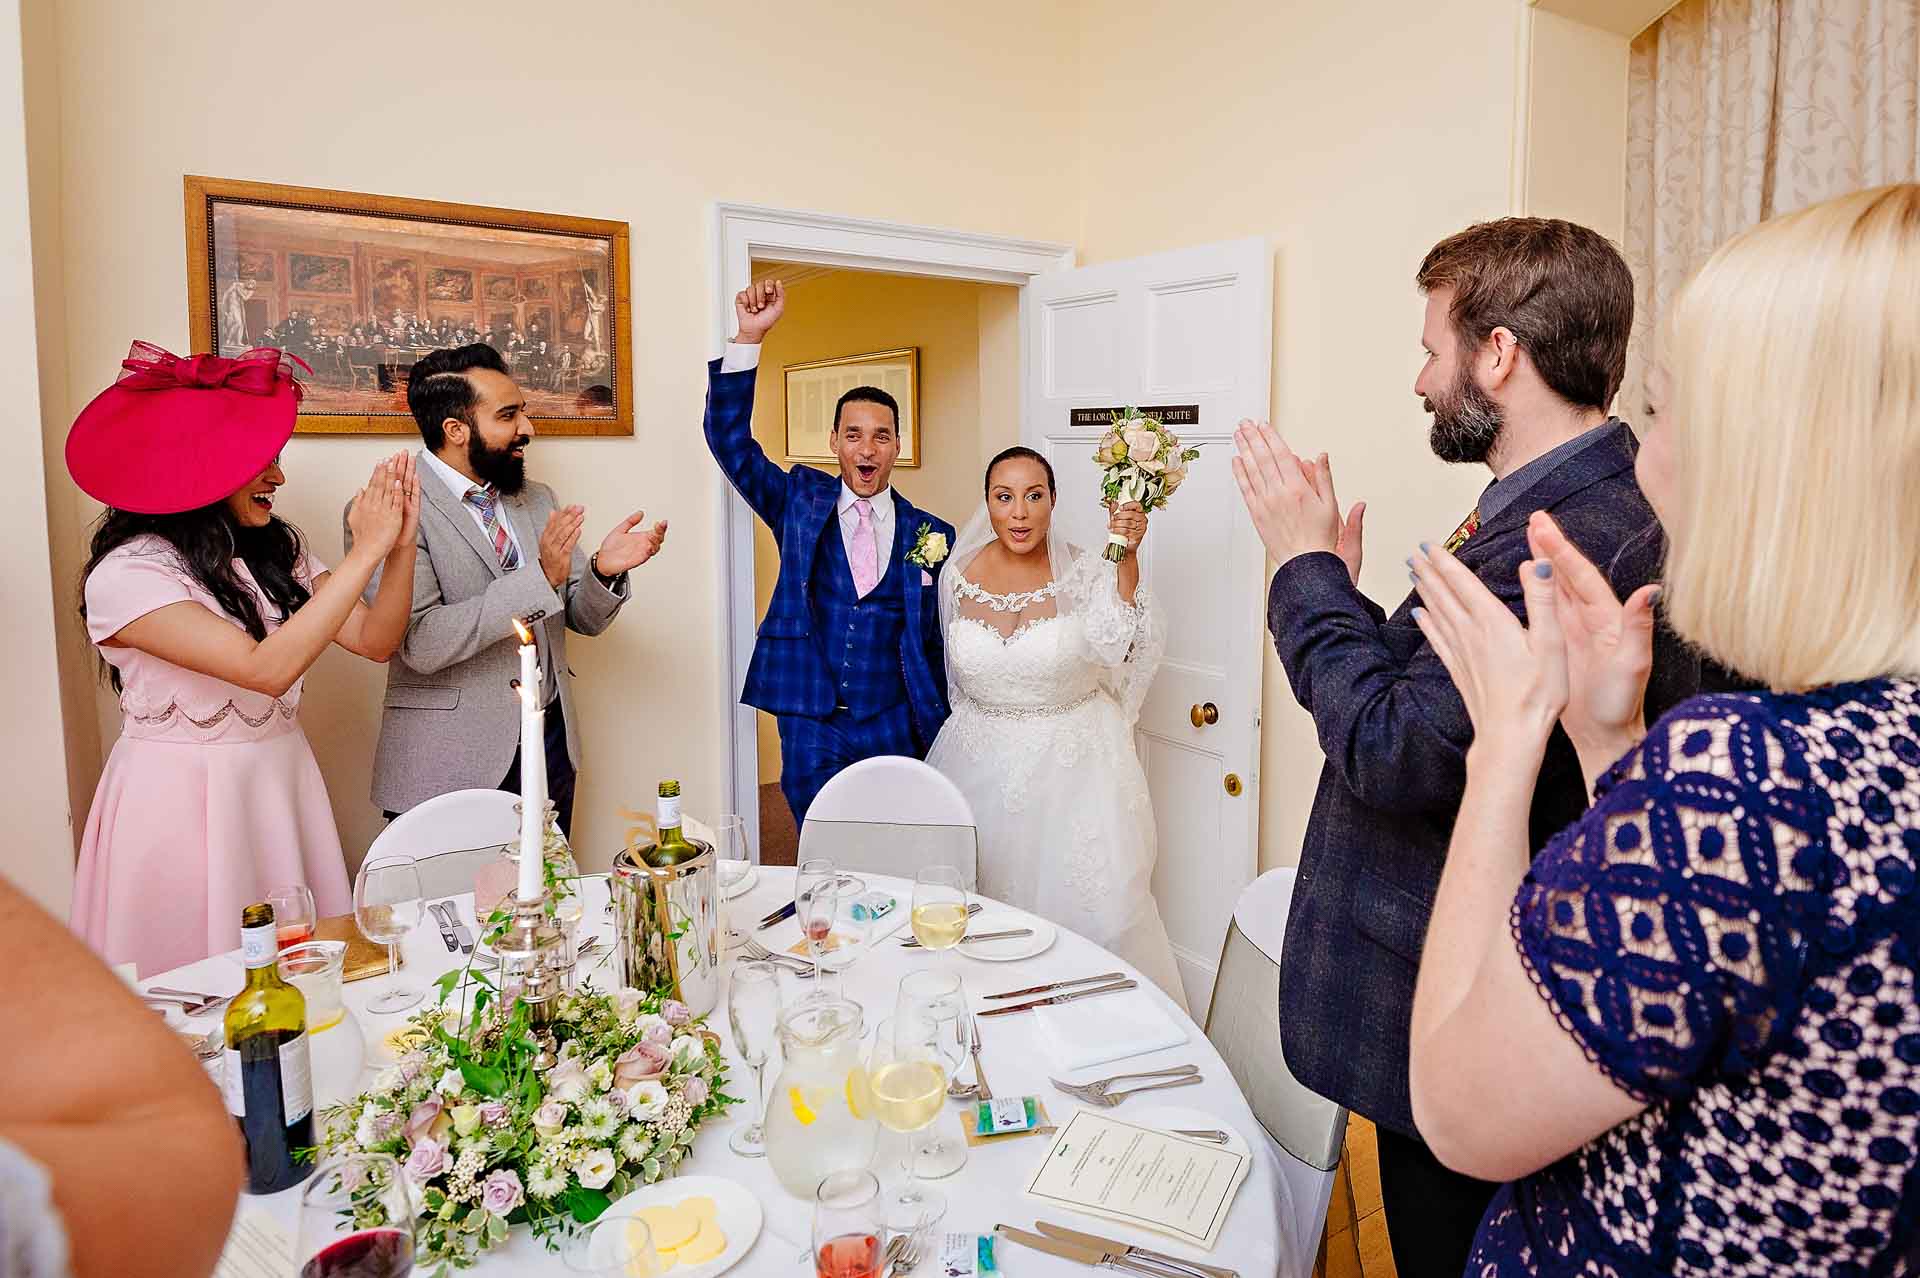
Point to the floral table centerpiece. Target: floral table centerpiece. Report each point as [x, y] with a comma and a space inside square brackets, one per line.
[498, 1120]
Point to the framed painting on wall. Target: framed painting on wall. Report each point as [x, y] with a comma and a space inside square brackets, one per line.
[363, 286]
[814, 388]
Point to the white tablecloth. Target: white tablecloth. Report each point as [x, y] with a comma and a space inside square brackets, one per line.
[1256, 1240]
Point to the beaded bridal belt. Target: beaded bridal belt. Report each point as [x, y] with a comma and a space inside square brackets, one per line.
[1027, 712]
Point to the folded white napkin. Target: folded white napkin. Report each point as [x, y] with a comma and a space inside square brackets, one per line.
[1111, 1027]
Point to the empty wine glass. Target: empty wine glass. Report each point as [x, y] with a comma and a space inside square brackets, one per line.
[356, 1219]
[908, 1083]
[293, 912]
[732, 865]
[849, 1236]
[387, 905]
[753, 1012]
[939, 997]
[939, 907]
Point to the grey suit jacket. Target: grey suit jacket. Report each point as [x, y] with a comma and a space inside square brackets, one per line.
[451, 721]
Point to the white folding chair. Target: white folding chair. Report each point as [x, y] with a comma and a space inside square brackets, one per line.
[452, 836]
[891, 815]
[1243, 1023]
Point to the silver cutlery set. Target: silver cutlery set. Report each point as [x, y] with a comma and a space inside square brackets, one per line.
[1109, 1253]
[452, 930]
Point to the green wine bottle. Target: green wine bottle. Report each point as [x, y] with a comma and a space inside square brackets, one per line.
[672, 847]
[268, 1078]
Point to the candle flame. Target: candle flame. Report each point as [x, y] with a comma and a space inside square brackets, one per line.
[526, 635]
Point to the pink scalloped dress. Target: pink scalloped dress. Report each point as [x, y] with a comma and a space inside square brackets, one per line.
[210, 798]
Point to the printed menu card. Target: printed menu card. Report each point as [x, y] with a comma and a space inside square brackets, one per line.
[1138, 1176]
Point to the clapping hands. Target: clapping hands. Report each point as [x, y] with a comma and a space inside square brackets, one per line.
[388, 507]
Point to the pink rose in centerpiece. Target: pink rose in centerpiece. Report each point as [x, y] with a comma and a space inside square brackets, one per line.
[695, 1091]
[638, 1063]
[1142, 444]
[674, 1012]
[495, 1113]
[500, 1193]
[654, 1029]
[428, 1121]
[428, 1159]
[568, 1081]
[550, 1118]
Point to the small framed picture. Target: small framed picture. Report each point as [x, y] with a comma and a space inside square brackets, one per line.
[815, 387]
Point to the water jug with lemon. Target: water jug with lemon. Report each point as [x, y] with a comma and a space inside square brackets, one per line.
[819, 1114]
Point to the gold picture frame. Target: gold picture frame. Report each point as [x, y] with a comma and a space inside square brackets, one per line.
[813, 388]
[361, 286]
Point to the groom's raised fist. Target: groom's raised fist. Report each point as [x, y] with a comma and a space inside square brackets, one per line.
[757, 308]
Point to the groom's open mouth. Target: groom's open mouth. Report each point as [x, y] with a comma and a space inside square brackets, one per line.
[867, 473]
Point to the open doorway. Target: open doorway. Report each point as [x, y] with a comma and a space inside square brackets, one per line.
[963, 337]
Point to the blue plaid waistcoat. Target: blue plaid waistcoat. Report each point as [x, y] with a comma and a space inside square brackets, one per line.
[860, 638]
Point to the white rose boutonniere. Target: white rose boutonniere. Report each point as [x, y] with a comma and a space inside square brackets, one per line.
[929, 548]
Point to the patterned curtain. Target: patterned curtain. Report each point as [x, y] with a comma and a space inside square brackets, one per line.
[1739, 110]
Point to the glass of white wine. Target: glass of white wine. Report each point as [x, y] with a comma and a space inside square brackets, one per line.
[387, 904]
[940, 998]
[908, 1083]
[939, 907]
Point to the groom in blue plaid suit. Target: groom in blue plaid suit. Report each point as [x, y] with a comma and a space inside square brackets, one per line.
[849, 658]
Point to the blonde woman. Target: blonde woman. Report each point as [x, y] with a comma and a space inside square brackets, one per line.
[1697, 1004]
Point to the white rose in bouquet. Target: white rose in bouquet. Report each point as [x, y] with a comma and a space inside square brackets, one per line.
[1143, 444]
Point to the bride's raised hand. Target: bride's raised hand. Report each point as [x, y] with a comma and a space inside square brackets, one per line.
[1128, 521]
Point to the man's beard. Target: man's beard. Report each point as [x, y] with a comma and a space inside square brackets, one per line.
[498, 466]
[1466, 424]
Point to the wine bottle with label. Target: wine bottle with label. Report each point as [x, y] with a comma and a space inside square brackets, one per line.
[672, 847]
[268, 1079]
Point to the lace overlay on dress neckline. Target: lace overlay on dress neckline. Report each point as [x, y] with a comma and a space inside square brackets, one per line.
[1012, 601]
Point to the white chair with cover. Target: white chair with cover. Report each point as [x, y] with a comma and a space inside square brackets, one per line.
[1243, 1023]
[891, 815]
[452, 836]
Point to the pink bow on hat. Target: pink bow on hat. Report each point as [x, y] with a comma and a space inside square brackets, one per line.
[259, 371]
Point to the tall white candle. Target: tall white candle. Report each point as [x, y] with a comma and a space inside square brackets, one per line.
[533, 773]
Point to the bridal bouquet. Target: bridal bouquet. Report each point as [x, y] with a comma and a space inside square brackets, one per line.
[494, 1128]
[1141, 461]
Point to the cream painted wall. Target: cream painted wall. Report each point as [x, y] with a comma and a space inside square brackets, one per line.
[645, 111]
[1576, 143]
[39, 833]
[1354, 136]
[969, 407]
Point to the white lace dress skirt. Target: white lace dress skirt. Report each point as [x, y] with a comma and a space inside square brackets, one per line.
[1046, 759]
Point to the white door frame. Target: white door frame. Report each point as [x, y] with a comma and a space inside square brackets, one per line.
[741, 233]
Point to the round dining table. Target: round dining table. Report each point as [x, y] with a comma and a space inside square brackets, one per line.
[1257, 1239]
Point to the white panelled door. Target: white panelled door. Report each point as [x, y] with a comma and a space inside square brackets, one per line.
[1190, 328]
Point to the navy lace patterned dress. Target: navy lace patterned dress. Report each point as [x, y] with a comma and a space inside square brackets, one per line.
[1731, 934]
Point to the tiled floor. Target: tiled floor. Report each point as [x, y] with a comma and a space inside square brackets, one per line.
[1355, 1244]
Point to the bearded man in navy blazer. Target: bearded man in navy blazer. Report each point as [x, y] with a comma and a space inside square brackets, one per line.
[1526, 341]
[849, 658]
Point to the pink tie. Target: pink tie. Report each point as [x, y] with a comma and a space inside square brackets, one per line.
[866, 553]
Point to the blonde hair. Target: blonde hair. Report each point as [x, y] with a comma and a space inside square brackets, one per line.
[1794, 359]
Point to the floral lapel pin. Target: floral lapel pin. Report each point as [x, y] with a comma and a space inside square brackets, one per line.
[929, 548]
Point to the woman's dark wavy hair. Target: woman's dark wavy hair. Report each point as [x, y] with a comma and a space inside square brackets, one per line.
[206, 542]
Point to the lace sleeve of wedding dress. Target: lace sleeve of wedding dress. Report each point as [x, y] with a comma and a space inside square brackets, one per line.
[1126, 640]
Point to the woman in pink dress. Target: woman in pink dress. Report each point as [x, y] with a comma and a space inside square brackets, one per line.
[209, 610]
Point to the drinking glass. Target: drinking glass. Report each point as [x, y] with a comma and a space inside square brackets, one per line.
[356, 1218]
[850, 884]
[939, 998]
[387, 905]
[732, 865]
[753, 1011]
[939, 907]
[816, 907]
[849, 1236]
[908, 1084]
[617, 1245]
[293, 913]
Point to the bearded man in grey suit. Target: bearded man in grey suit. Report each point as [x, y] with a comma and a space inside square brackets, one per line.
[493, 547]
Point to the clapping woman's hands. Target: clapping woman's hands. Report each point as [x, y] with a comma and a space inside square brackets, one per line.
[1513, 677]
[379, 510]
[1609, 647]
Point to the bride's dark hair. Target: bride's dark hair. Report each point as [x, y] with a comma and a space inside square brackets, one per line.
[1009, 454]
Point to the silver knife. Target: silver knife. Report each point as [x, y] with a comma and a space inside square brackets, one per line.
[446, 932]
[913, 943]
[1128, 1249]
[1058, 998]
[1060, 985]
[459, 926]
[1094, 1256]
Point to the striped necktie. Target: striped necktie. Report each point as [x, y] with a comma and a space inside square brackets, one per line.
[486, 501]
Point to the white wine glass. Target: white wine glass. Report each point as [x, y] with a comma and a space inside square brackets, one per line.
[753, 1013]
[939, 907]
[388, 904]
[733, 864]
[908, 1084]
[940, 998]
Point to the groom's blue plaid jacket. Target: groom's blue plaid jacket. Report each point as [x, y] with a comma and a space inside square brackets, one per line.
[789, 674]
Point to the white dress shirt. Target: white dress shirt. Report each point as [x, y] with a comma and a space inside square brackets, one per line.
[458, 484]
[741, 356]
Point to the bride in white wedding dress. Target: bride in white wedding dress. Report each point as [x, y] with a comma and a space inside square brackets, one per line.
[1050, 651]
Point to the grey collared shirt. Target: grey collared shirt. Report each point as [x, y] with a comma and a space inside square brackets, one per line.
[1502, 493]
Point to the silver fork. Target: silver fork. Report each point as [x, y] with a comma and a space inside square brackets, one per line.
[1101, 1091]
[761, 954]
[906, 1254]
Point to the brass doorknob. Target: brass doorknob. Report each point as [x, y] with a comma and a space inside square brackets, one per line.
[1233, 785]
[1204, 713]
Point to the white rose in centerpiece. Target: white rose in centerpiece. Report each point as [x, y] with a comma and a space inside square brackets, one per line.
[600, 1074]
[466, 1119]
[646, 1100]
[568, 1082]
[688, 1051]
[626, 1002]
[451, 1083]
[1142, 444]
[595, 1168]
[549, 1119]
